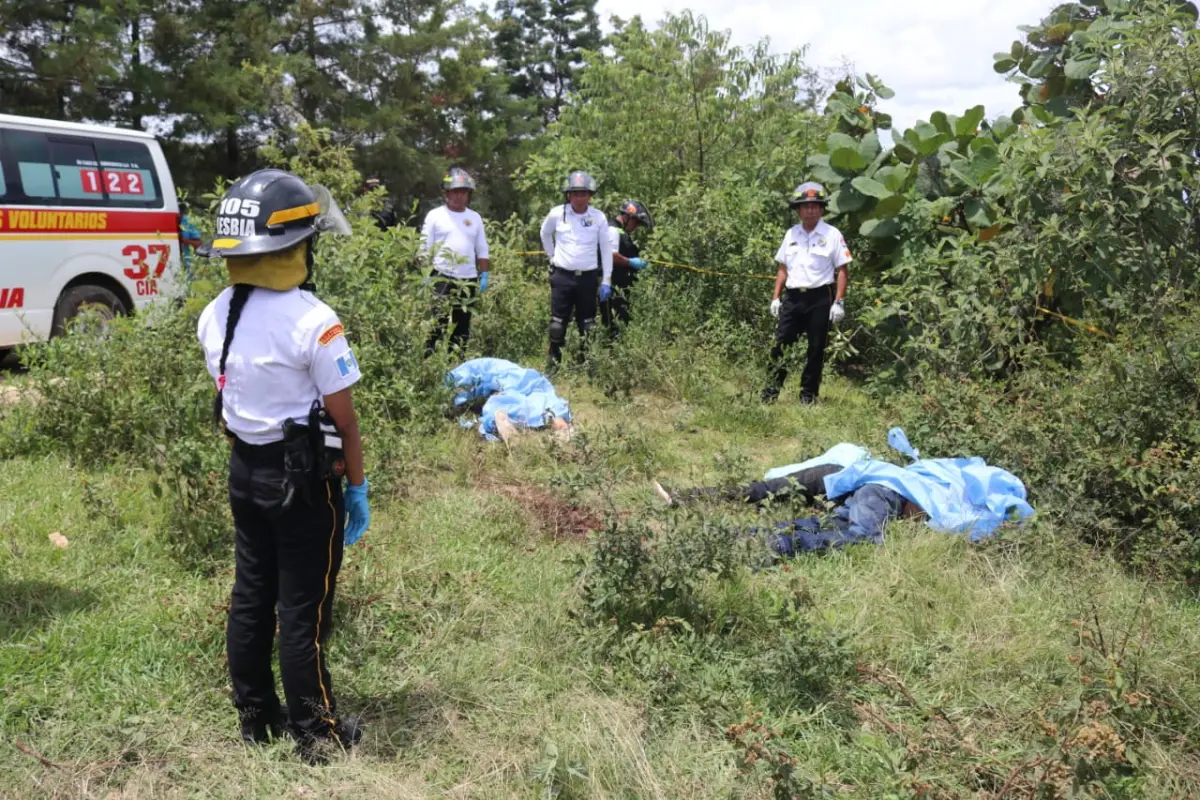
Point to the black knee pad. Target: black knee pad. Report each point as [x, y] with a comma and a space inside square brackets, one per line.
[586, 325]
[558, 330]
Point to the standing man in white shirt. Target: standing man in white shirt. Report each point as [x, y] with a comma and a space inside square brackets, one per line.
[454, 239]
[575, 237]
[812, 259]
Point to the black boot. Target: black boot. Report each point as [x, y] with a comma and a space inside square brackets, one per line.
[259, 727]
[315, 750]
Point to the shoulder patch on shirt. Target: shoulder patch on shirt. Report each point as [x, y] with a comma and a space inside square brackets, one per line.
[347, 365]
[467, 222]
[331, 333]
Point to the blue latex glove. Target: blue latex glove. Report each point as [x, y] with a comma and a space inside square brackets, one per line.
[483, 278]
[357, 510]
[638, 263]
[605, 292]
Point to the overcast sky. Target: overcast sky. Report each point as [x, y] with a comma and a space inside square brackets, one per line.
[935, 54]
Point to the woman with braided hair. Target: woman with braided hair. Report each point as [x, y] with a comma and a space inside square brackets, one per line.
[283, 371]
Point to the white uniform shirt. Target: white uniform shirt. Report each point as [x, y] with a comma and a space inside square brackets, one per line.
[456, 239]
[812, 258]
[578, 241]
[288, 349]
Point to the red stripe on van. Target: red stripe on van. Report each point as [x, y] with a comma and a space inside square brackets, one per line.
[40, 220]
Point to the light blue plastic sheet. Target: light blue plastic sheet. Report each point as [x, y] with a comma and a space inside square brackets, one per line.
[960, 495]
[525, 394]
[841, 454]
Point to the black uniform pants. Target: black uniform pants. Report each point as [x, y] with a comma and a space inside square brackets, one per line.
[803, 311]
[614, 312]
[808, 483]
[452, 299]
[571, 293]
[287, 565]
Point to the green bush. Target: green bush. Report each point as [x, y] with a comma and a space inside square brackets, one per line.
[665, 602]
[1112, 447]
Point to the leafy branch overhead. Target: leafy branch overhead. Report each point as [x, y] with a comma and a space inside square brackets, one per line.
[870, 188]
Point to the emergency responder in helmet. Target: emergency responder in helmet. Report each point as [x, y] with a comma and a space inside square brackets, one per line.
[385, 216]
[283, 371]
[626, 262]
[453, 239]
[575, 237]
[812, 259]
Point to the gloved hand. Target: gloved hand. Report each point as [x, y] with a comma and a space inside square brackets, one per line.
[483, 279]
[776, 304]
[637, 263]
[837, 312]
[605, 292]
[357, 511]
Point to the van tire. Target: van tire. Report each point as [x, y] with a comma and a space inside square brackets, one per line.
[78, 298]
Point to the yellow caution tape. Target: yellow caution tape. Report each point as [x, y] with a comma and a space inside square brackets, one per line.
[671, 264]
[1072, 321]
[709, 271]
[1069, 320]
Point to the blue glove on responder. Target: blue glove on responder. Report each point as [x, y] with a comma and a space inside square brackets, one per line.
[605, 292]
[357, 510]
[482, 281]
[637, 263]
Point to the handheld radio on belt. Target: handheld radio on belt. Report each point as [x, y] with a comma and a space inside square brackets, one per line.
[312, 453]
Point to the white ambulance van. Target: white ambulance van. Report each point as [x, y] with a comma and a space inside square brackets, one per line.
[88, 219]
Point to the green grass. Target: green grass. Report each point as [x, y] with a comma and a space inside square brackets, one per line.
[453, 638]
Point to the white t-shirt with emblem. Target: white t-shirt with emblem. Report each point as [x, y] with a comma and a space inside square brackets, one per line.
[456, 239]
[812, 258]
[288, 349]
[578, 241]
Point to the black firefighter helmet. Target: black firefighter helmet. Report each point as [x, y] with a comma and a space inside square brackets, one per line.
[634, 209]
[269, 211]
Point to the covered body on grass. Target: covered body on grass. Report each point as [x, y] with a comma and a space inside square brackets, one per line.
[957, 495]
[511, 394]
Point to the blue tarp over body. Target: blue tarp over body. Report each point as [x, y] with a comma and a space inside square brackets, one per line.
[960, 495]
[524, 394]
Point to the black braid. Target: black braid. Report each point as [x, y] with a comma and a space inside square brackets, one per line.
[310, 248]
[241, 293]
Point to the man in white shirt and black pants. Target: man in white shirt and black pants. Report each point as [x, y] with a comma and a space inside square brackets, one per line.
[812, 258]
[453, 237]
[575, 236]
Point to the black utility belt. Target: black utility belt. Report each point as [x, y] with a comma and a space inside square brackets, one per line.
[821, 288]
[575, 272]
[312, 453]
[437, 273]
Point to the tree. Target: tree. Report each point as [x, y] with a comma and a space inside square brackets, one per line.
[541, 43]
[1056, 64]
[77, 60]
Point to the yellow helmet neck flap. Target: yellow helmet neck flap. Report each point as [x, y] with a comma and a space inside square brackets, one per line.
[278, 271]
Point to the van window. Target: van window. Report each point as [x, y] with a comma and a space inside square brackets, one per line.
[58, 169]
[129, 168]
[31, 153]
[76, 169]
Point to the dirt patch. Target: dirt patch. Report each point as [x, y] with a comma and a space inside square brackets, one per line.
[555, 518]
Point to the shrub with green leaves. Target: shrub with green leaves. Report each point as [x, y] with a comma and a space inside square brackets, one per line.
[1112, 446]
